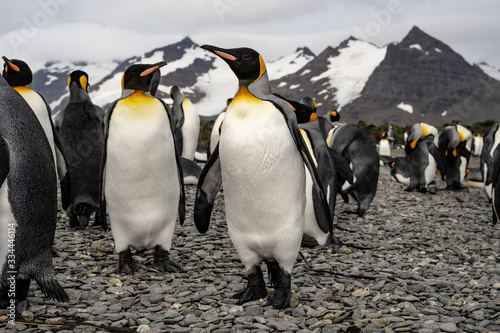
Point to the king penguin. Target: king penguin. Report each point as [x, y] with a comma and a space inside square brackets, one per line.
[19, 76]
[141, 173]
[187, 121]
[353, 144]
[260, 162]
[423, 156]
[81, 129]
[28, 202]
[384, 147]
[455, 147]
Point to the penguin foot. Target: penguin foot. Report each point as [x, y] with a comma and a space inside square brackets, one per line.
[126, 263]
[163, 263]
[280, 297]
[100, 222]
[256, 287]
[83, 221]
[73, 221]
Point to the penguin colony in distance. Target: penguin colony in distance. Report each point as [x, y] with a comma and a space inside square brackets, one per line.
[28, 202]
[264, 203]
[81, 129]
[142, 180]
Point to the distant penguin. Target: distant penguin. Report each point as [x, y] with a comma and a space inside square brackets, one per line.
[478, 145]
[334, 116]
[28, 203]
[81, 130]
[490, 143]
[358, 149]
[384, 146]
[260, 162]
[423, 156]
[391, 135]
[188, 121]
[141, 172]
[455, 146]
[400, 169]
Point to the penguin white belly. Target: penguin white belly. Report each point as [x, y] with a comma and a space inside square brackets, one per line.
[39, 107]
[463, 169]
[141, 179]
[7, 222]
[264, 184]
[384, 148]
[190, 130]
[402, 180]
[430, 170]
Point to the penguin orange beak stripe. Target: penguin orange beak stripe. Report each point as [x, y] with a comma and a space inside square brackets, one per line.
[149, 71]
[313, 117]
[290, 105]
[225, 55]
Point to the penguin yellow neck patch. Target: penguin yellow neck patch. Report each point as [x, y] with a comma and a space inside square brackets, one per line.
[244, 95]
[139, 106]
[21, 89]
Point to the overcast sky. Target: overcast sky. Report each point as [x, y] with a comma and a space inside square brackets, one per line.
[101, 30]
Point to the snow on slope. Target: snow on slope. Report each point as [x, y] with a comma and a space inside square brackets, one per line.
[490, 70]
[287, 65]
[349, 71]
[218, 84]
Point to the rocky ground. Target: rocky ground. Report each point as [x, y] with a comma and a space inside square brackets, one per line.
[415, 263]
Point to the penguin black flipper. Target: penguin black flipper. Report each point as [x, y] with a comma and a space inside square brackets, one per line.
[291, 122]
[208, 186]
[4, 161]
[177, 113]
[342, 166]
[182, 198]
[434, 151]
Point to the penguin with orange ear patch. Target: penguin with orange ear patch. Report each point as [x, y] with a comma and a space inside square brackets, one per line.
[141, 173]
[260, 161]
[455, 146]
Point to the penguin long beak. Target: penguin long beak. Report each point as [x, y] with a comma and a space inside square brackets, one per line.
[223, 53]
[8, 64]
[152, 69]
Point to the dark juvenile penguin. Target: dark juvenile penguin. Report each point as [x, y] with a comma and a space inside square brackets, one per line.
[455, 147]
[28, 203]
[260, 162]
[423, 156]
[18, 75]
[490, 142]
[360, 152]
[81, 130]
[141, 173]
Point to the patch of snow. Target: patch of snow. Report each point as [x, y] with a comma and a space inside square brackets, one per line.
[437, 50]
[444, 113]
[287, 65]
[294, 86]
[405, 107]
[51, 78]
[416, 46]
[307, 71]
[349, 71]
[490, 71]
[282, 84]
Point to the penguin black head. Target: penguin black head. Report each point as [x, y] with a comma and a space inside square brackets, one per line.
[309, 102]
[80, 78]
[334, 116]
[140, 76]
[17, 72]
[246, 63]
[174, 92]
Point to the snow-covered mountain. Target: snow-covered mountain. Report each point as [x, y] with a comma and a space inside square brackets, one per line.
[417, 79]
